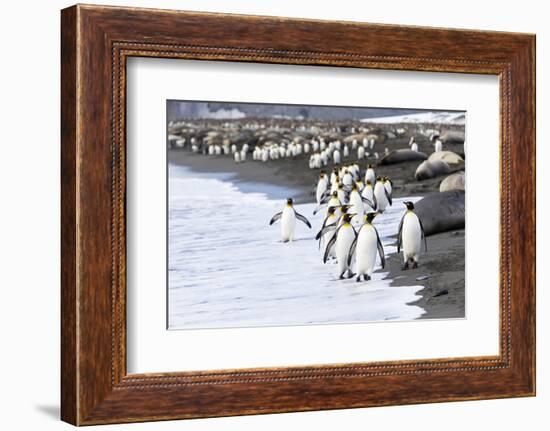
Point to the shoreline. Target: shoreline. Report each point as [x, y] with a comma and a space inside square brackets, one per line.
[443, 292]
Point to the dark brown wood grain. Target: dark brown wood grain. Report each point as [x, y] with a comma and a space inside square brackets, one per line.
[95, 42]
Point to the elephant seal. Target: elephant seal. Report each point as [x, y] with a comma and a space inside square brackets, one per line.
[441, 212]
[356, 137]
[428, 169]
[400, 156]
[453, 137]
[456, 181]
[446, 156]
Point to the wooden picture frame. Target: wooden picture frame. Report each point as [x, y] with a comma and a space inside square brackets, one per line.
[95, 43]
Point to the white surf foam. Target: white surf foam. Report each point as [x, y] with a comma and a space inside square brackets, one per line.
[228, 267]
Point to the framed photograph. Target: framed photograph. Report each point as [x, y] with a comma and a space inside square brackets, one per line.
[318, 215]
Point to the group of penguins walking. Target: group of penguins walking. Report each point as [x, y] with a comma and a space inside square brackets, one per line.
[348, 235]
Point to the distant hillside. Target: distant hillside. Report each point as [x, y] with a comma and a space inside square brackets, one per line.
[178, 110]
[431, 117]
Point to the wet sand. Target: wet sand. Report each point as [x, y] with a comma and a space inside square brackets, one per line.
[443, 295]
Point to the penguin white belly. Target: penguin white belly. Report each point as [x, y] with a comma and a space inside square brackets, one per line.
[321, 188]
[327, 237]
[367, 193]
[370, 176]
[411, 237]
[288, 223]
[380, 194]
[356, 208]
[346, 235]
[365, 250]
[347, 180]
[341, 195]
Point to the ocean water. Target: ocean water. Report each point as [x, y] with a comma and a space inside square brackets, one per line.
[228, 267]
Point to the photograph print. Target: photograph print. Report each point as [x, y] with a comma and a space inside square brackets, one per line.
[307, 215]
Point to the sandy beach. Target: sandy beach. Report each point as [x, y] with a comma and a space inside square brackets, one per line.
[441, 269]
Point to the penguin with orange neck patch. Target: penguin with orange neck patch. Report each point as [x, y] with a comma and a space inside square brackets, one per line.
[288, 218]
[409, 238]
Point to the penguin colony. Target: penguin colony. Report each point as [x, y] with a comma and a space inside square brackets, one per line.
[348, 236]
[264, 140]
[348, 198]
[269, 140]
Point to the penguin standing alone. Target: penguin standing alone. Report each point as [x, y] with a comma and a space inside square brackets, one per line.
[365, 246]
[288, 218]
[409, 238]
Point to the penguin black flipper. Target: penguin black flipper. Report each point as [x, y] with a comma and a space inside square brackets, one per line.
[423, 234]
[275, 218]
[325, 197]
[368, 202]
[326, 229]
[318, 236]
[302, 218]
[330, 245]
[400, 234]
[352, 249]
[380, 249]
[388, 196]
[375, 202]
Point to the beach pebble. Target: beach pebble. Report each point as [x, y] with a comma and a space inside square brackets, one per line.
[422, 278]
[441, 293]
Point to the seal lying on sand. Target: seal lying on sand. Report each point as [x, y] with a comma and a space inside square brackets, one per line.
[441, 212]
[400, 156]
[452, 137]
[446, 156]
[455, 181]
[428, 169]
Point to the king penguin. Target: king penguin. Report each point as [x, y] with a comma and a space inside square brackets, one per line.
[388, 184]
[368, 196]
[383, 198]
[324, 235]
[356, 203]
[370, 175]
[347, 178]
[365, 246]
[342, 239]
[330, 200]
[322, 186]
[409, 238]
[288, 218]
